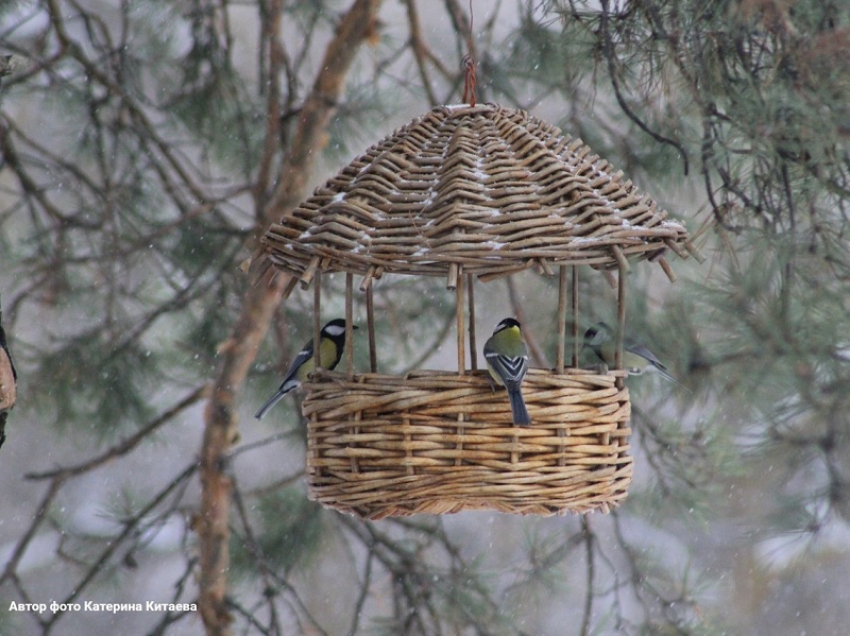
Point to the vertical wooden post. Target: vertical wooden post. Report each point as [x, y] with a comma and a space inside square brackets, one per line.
[461, 335]
[473, 347]
[317, 317]
[349, 324]
[621, 319]
[576, 347]
[562, 334]
[370, 324]
[562, 319]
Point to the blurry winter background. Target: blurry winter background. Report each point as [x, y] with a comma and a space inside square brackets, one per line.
[146, 144]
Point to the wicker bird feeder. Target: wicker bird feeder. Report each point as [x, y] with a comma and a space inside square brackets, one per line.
[466, 193]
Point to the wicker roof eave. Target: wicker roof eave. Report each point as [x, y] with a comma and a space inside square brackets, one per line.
[486, 188]
[439, 264]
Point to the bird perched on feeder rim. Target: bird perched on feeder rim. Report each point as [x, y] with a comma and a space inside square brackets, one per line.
[507, 361]
[331, 344]
[637, 359]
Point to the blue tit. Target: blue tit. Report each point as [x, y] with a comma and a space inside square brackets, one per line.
[331, 344]
[507, 360]
[636, 358]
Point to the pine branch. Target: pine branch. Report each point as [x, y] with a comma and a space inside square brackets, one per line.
[419, 48]
[256, 551]
[364, 594]
[608, 51]
[124, 447]
[10, 571]
[130, 527]
[320, 105]
[271, 25]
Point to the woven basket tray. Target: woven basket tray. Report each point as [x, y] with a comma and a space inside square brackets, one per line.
[436, 442]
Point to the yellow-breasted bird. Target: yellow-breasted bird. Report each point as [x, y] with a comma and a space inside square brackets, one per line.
[331, 344]
[636, 357]
[507, 360]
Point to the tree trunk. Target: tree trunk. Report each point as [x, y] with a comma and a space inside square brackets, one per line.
[260, 301]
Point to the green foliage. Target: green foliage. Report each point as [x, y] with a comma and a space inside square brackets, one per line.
[96, 393]
[310, 11]
[537, 50]
[289, 529]
[127, 201]
[541, 571]
[369, 104]
[11, 6]
[220, 112]
[10, 622]
[456, 596]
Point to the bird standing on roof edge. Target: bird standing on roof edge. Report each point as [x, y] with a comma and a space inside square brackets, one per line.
[507, 361]
[331, 345]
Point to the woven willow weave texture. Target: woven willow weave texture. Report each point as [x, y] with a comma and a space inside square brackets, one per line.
[486, 187]
[435, 442]
[482, 191]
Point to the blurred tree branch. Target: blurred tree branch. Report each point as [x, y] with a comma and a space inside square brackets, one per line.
[142, 148]
[127, 445]
[262, 299]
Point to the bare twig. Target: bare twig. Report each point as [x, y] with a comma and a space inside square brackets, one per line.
[38, 518]
[364, 594]
[257, 553]
[116, 542]
[608, 50]
[588, 536]
[127, 445]
[271, 24]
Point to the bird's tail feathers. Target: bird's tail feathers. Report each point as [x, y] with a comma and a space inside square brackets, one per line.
[520, 413]
[277, 397]
[664, 374]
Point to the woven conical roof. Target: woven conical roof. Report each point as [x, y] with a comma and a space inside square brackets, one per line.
[489, 188]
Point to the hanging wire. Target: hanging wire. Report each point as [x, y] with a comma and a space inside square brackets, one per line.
[469, 80]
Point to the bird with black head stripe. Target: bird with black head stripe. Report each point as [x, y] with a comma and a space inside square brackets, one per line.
[637, 359]
[331, 345]
[507, 361]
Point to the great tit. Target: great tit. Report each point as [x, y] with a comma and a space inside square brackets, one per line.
[507, 360]
[331, 344]
[636, 358]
